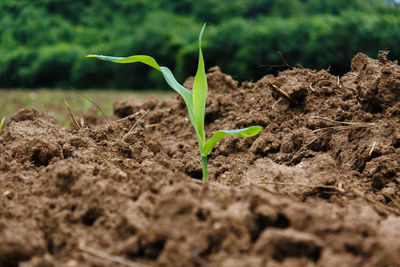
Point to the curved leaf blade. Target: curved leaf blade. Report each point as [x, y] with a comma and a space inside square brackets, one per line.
[131, 59]
[168, 76]
[200, 88]
[218, 135]
[186, 94]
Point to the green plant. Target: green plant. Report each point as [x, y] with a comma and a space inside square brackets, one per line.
[195, 101]
[2, 123]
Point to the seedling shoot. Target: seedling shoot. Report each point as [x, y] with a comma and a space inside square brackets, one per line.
[195, 101]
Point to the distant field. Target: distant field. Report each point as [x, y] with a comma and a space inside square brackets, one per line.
[52, 101]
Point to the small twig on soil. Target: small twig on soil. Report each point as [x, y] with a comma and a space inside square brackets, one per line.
[343, 122]
[391, 199]
[75, 123]
[311, 88]
[354, 74]
[324, 80]
[338, 128]
[372, 148]
[279, 90]
[347, 126]
[360, 194]
[350, 125]
[279, 100]
[97, 106]
[135, 124]
[341, 190]
[152, 125]
[111, 258]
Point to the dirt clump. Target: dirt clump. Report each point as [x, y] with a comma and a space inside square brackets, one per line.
[319, 186]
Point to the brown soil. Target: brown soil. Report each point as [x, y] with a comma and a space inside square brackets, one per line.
[309, 190]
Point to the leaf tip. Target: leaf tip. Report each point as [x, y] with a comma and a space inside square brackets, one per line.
[201, 33]
[256, 129]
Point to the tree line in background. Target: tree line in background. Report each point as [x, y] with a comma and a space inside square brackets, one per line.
[43, 42]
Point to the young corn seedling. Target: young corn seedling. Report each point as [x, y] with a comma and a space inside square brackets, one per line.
[195, 101]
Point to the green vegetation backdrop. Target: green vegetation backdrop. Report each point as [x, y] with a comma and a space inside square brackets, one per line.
[43, 42]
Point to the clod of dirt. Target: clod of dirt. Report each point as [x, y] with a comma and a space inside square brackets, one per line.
[377, 82]
[127, 107]
[281, 198]
[19, 241]
[32, 138]
[320, 170]
[29, 114]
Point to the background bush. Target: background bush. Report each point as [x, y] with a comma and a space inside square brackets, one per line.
[43, 42]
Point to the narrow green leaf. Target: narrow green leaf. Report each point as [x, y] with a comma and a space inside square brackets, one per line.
[168, 76]
[218, 135]
[200, 94]
[186, 94]
[137, 58]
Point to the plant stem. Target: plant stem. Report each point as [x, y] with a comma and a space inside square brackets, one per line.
[205, 169]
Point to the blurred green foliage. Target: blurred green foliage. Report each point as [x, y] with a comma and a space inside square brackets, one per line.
[43, 42]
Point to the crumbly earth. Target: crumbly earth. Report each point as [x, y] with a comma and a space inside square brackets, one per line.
[319, 186]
